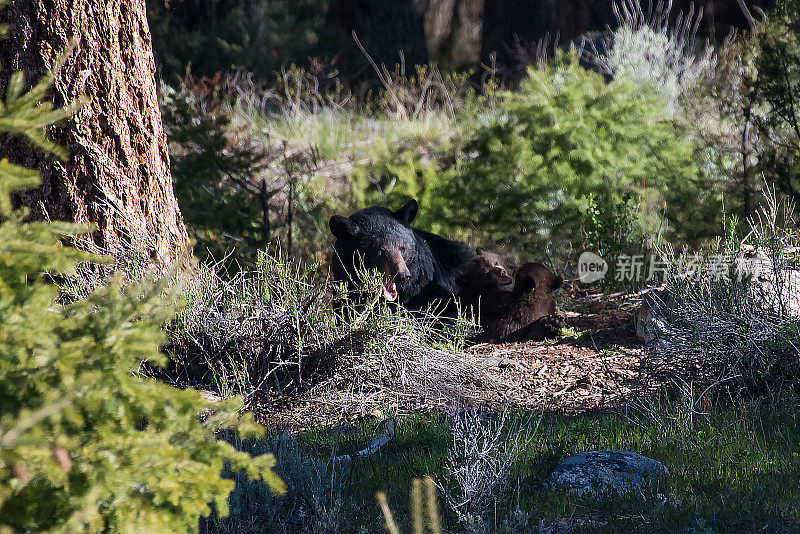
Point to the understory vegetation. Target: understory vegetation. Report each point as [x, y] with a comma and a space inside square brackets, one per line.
[670, 134]
[730, 468]
[248, 391]
[669, 145]
[277, 329]
[86, 442]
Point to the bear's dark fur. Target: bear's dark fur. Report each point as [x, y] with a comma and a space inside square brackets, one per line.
[484, 285]
[418, 268]
[527, 312]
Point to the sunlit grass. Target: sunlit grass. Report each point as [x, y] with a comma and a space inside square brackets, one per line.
[338, 135]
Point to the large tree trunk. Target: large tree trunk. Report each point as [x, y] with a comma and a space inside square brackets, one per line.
[469, 30]
[439, 26]
[453, 30]
[117, 176]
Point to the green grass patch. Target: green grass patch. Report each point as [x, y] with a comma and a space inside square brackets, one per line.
[733, 469]
[343, 134]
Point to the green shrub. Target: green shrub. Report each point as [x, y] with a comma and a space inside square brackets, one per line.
[530, 171]
[394, 176]
[774, 87]
[86, 443]
[213, 178]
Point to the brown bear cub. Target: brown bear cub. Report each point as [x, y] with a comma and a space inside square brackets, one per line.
[526, 312]
[484, 285]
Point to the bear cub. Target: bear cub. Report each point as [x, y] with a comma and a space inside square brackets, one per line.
[484, 285]
[526, 312]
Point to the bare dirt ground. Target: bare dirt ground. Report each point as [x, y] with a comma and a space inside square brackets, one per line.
[596, 366]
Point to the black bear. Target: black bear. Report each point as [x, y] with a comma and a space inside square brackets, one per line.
[483, 282]
[419, 268]
[526, 312]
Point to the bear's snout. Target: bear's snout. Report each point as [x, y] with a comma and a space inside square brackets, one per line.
[399, 266]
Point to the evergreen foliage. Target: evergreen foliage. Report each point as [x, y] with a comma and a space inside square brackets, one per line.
[545, 159]
[775, 89]
[86, 443]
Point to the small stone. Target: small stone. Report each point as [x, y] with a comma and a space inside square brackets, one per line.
[502, 363]
[603, 473]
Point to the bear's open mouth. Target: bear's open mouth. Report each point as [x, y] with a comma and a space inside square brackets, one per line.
[505, 280]
[389, 288]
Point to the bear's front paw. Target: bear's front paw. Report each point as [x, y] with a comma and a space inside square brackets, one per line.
[543, 328]
[551, 325]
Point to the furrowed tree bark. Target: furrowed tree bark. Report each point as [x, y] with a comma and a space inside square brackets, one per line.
[117, 176]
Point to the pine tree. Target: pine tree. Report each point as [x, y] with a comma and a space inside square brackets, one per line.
[565, 147]
[86, 443]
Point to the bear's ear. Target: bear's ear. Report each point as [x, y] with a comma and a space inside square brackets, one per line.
[407, 213]
[342, 227]
[556, 282]
[479, 251]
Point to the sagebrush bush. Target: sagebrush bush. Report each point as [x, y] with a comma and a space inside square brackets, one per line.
[733, 316]
[86, 443]
[478, 468]
[658, 48]
[283, 327]
[316, 501]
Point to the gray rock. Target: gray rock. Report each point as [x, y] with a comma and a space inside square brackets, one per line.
[605, 473]
[776, 287]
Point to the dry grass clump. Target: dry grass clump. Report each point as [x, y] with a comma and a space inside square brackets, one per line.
[738, 323]
[477, 474]
[312, 110]
[285, 331]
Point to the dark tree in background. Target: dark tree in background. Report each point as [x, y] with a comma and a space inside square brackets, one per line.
[508, 24]
[775, 88]
[513, 28]
[264, 36]
[117, 175]
[260, 36]
[386, 28]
